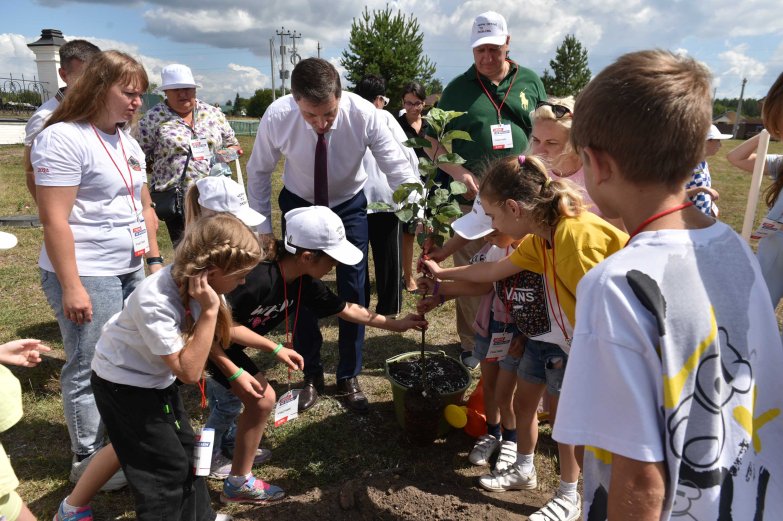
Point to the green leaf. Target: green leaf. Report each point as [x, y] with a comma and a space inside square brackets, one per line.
[417, 142]
[404, 190]
[420, 238]
[384, 207]
[405, 214]
[452, 209]
[451, 135]
[451, 159]
[440, 217]
[458, 188]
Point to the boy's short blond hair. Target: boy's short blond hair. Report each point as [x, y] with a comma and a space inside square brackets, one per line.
[650, 111]
[772, 110]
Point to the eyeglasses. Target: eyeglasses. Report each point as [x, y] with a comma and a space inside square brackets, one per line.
[560, 111]
[385, 100]
[414, 104]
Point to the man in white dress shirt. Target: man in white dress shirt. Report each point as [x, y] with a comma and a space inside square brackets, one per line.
[323, 134]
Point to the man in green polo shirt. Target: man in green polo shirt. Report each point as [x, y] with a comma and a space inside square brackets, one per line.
[497, 95]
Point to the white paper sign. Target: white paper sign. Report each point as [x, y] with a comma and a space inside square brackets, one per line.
[287, 407]
[501, 136]
[498, 346]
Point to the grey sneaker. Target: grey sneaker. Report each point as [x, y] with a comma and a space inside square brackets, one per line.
[221, 465]
[468, 360]
[507, 456]
[116, 482]
[511, 479]
[484, 448]
[559, 508]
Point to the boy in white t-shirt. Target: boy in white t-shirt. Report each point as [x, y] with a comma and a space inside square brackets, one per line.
[674, 335]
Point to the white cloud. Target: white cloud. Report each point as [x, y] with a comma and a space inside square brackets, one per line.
[739, 64]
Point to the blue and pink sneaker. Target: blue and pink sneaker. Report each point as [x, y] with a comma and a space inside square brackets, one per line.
[81, 514]
[254, 491]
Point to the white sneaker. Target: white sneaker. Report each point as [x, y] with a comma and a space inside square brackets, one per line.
[507, 456]
[559, 508]
[116, 482]
[484, 448]
[511, 479]
[220, 467]
[223, 517]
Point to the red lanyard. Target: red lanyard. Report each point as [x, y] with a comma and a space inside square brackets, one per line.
[289, 343]
[130, 176]
[498, 108]
[657, 216]
[560, 323]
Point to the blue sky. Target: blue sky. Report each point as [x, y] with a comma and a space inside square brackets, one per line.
[226, 43]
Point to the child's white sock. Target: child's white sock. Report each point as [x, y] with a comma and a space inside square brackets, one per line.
[239, 480]
[68, 508]
[525, 463]
[568, 490]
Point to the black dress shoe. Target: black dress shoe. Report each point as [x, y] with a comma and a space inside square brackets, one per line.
[313, 385]
[348, 389]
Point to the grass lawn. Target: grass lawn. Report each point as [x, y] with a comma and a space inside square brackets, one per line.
[324, 447]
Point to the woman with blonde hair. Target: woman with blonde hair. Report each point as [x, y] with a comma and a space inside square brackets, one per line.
[97, 220]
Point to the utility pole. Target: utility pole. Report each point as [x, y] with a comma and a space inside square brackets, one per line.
[282, 33]
[739, 109]
[319, 49]
[272, 66]
[294, 56]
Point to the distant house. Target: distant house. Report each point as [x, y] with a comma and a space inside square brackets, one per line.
[748, 127]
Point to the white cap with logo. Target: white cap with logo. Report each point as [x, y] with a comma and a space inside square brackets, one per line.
[319, 228]
[489, 29]
[223, 194]
[475, 224]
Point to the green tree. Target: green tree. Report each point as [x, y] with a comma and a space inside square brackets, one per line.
[570, 72]
[389, 45]
[257, 104]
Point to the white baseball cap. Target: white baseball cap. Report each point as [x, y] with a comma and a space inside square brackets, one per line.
[319, 228]
[714, 133]
[7, 240]
[177, 76]
[223, 194]
[489, 29]
[475, 224]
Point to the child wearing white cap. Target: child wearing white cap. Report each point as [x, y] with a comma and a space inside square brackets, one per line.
[699, 188]
[314, 243]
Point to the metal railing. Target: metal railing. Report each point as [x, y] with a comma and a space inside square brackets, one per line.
[244, 127]
[11, 87]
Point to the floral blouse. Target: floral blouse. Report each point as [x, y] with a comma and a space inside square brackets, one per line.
[165, 137]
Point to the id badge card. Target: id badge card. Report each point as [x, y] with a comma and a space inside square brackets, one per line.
[499, 344]
[200, 150]
[141, 242]
[287, 407]
[501, 136]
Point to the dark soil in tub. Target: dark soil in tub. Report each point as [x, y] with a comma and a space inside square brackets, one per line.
[444, 374]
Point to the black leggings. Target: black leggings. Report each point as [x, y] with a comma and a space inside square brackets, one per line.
[152, 436]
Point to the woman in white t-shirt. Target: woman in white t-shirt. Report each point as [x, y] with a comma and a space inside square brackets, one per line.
[92, 201]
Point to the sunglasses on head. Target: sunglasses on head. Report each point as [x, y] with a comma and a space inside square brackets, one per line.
[560, 111]
[385, 99]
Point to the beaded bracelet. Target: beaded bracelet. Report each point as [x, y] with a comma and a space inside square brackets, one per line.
[277, 349]
[236, 375]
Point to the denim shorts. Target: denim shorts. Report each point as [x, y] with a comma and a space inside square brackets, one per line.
[480, 350]
[543, 363]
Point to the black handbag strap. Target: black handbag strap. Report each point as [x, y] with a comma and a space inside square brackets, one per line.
[185, 169]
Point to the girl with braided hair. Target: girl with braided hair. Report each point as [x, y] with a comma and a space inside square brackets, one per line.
[560, 243]
[165, 333]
